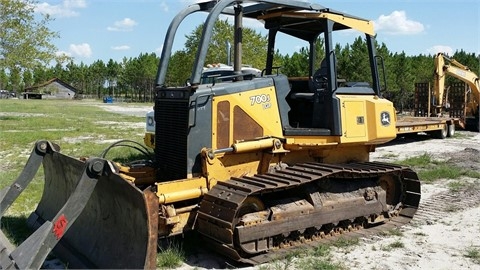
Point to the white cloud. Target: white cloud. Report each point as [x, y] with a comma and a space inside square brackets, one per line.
[74, 3]
[164, 6]
[121, 48]
[440, 48]
[397, 23]
[82, 50]
[67, 8]
[124, 25]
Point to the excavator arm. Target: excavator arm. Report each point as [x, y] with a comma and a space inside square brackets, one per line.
[447, 66]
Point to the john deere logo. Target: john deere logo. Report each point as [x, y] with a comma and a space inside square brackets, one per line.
[385, 118]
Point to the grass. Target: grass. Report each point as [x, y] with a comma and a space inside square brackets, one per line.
[81, 128]
[430, 170]
[171, 256]
[25, 121]
[319, 257]
[457, 186]
[393, 245]
[346, 242]
[392, 232]
[313, 263]
[473, 253]
[417, 161]
[461, 135]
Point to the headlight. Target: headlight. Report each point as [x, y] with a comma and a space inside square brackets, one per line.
[150, 121]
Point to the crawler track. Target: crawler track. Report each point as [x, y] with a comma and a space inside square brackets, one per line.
[257, 219]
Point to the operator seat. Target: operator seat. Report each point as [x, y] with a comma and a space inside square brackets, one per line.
[310, 109]
[319, 79]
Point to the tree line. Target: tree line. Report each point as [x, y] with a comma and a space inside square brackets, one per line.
[134, 78]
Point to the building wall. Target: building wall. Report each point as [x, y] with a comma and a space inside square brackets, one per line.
[56, 90]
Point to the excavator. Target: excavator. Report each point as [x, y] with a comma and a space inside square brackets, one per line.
[460, 102]
[257, 166]
[457, 102]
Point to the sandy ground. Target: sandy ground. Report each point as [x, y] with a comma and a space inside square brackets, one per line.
[445, 228]
[135, 110]
[447, 224]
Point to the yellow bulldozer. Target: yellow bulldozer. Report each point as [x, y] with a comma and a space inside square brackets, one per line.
[256, 165]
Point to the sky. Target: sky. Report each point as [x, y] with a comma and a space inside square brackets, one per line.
[93, 30]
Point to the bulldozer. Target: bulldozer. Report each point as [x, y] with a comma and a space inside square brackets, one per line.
[256, 165]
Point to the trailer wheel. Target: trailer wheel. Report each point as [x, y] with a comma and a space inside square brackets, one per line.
[441, 133]
[451, 130]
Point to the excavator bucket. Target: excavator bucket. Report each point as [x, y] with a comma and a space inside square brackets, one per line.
[89, 215]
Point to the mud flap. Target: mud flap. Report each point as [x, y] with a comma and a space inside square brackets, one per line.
[89, 215]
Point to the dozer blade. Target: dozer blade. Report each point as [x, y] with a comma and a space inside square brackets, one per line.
[89, 215]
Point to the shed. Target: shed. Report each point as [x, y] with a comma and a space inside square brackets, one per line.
[52, 89]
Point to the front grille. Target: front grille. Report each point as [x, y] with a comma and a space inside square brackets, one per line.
[171, 131]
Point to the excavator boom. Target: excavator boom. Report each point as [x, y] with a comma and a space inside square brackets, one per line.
[446, 66]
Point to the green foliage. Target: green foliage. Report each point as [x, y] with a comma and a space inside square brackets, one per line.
[171, 256]
[322, 251]
[393, 231]
[346, 242]
[254, 51]
[456, 186]
[357, 67]
[473, 253]
[314, 263]
[75, 125]
[430, 170]
[397, 244]
[318, 258]
[418, 161]
[393, 245]
[420, 234]
[441, 171]
[404, 80]
[25, 40]
[297, 64]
